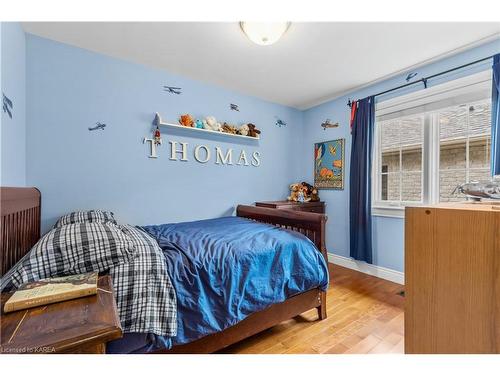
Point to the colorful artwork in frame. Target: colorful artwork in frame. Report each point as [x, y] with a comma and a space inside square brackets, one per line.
[329, 164]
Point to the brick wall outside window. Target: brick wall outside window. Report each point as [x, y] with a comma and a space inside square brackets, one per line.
[401, 143]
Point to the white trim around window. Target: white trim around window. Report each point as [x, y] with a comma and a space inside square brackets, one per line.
[426, 102]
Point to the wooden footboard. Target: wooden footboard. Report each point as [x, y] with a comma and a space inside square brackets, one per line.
[310, 224]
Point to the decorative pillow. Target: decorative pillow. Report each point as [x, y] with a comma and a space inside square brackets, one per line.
[92, 216]
[73, 249]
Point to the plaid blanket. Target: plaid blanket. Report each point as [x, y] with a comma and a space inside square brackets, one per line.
[145, 295]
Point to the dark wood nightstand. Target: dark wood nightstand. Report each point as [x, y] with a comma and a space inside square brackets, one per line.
[317, 207]
[82, 325]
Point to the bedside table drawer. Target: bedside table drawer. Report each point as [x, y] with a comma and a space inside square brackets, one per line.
[317, 209]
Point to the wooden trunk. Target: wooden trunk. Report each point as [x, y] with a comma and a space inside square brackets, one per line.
[452, 279]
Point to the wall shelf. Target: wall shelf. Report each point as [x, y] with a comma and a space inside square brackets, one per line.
[158, 121]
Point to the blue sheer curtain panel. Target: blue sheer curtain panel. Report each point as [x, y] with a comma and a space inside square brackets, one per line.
[495, 117]
[360, 217]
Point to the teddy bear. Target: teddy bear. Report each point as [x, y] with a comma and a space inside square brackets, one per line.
[228, 128]
[186, 120]
[243, 130]
[253, 131]
[314, 195]
[295, 190]
[198, 124]
[210, 123]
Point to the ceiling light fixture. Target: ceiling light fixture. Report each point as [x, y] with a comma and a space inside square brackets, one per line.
[263, 33]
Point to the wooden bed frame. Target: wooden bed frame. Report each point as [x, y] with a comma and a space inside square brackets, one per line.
[20, 230]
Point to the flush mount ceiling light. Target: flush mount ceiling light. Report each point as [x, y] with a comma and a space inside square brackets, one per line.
[263, 33]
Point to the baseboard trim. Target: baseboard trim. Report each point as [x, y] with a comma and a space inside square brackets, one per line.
[370, 269]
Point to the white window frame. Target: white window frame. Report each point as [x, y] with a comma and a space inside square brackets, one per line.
[470, 89]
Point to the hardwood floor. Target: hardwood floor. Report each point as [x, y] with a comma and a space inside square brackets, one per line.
[365, 315]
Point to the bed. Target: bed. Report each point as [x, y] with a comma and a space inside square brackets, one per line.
[20, 230]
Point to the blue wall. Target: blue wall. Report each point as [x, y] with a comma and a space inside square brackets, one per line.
[13, 83]
[70, 89]
[388, 233]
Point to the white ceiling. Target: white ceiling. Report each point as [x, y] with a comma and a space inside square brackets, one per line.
[310, 64]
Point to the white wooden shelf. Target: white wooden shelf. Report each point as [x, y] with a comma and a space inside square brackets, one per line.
[159, 122]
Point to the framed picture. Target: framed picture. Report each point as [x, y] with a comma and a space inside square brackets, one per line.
[329, 164]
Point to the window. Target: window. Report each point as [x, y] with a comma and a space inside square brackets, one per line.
[401, 142]
[429, 142]
[464, 145]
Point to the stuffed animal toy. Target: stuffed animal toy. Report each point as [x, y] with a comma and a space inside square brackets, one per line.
[243, 130]
[314, 195]
[301, 198]
[310, 192]
[295, 189]
[305, 196]
[186, 120]
[253, 131]
[198, 124]
[228, 128]
[308, 188]
[210, 123]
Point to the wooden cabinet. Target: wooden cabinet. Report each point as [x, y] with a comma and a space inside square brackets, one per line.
[317, 207]
[452, 279]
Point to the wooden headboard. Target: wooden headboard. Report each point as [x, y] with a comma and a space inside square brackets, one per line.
[19, 225]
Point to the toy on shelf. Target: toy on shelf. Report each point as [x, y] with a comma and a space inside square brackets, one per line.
[198, 124]
[228, 128]
[210, 123]
[253, 131]
[186, 120]
[243, 130]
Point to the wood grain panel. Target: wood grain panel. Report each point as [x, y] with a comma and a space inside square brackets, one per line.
[452, 277]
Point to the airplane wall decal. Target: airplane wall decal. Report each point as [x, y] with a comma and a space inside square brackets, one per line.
[98, 126]
[280, 122]
[172, 90]
[7, 105]
[329, 124]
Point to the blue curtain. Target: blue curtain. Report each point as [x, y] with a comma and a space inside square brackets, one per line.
[495, 117]
[360, 217]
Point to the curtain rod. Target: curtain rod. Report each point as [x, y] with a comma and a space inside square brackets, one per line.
[424, 80]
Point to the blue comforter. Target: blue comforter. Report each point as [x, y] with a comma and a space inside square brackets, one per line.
[228, 268]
